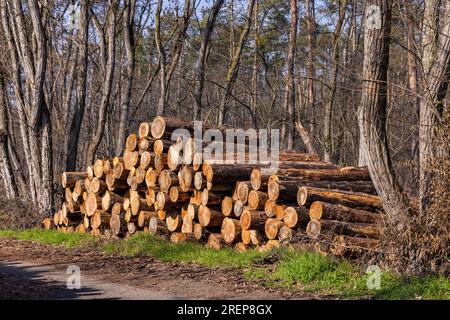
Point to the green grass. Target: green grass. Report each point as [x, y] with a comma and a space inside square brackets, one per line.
[69, 240]
[148, 245]
[289, 268]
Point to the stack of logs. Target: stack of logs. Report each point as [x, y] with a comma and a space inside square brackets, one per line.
[164, 188]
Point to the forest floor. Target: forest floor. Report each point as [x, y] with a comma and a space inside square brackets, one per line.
[34, 262]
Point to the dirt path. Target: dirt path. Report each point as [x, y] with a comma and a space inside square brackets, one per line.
[30, 270]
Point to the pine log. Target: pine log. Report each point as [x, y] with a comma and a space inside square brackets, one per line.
[253, 219]
[296, 217]
[307, 195]
[209, 217]
[131, 144]
[174, 222]
[322, 210]
[144, 217]
[100, 218]
[185, 176]
[315, 227]
[224, 173]
[215, 241]
[352, 247]
[93, 203]
[68, 179]
[98, 186]
[231, 229]
[238, 208]
[109, 199]
[257, 200]
[151, 178]
[272, 226]
[227, 206]
[157, 226]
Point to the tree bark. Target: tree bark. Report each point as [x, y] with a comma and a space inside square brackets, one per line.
[128, 77]
[75, 125]
[328, 121]
[288, 125]
[202, 57]
[108, 66]
[234, 66]
[372, 115]
[434, 117]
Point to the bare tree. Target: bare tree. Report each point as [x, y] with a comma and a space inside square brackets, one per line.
[433, 128]
[234, 66]
[82, 67]
[201, 60]
[287, 128]
[30, 55]
[107, 65]
[128, 39]
[328, 120]
[372, 115]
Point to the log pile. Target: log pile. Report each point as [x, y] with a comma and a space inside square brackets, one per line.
[165, 188]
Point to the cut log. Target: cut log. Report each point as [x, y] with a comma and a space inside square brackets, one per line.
[98, 186]
[109, 199]
[209, 217]
[307, 195]
[223, 173]
[257, 200]
[167, 179]
[137, 204]
[253, 219]
[240, 247]
[185, 176]
[322, 210]
[272, 227]
[296, 217]
[315, 227]
[352, 247]
[131, 143]
[177, 195]
[98, 169]
[47, 223]
[257, 237]
[269, 208]
[173, 222]
[285, 233]
[227, 206]
[93, 203]
[242, 190]
[144, 217]
[188, 226]
[157, 226]
[238, 208]
[215, 241]
[100, 218]
[151, 177]
[120, 172]
[200, 233]
[68, 179]
[231, 230]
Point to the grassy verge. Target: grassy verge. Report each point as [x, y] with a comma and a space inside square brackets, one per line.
[294, 269]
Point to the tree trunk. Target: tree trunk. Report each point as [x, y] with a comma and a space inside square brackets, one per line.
[75, 125]
[434, 118]
[128, 37]
[287, 129]
[310, 63]
[9, 183]
[108, 66]
[202, 57]
[372, 115]
[328, 121]
[234, 66]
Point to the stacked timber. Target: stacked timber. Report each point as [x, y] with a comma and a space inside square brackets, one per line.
[165, 188]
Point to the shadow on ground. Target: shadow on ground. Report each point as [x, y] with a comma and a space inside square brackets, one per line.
[18, 282]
